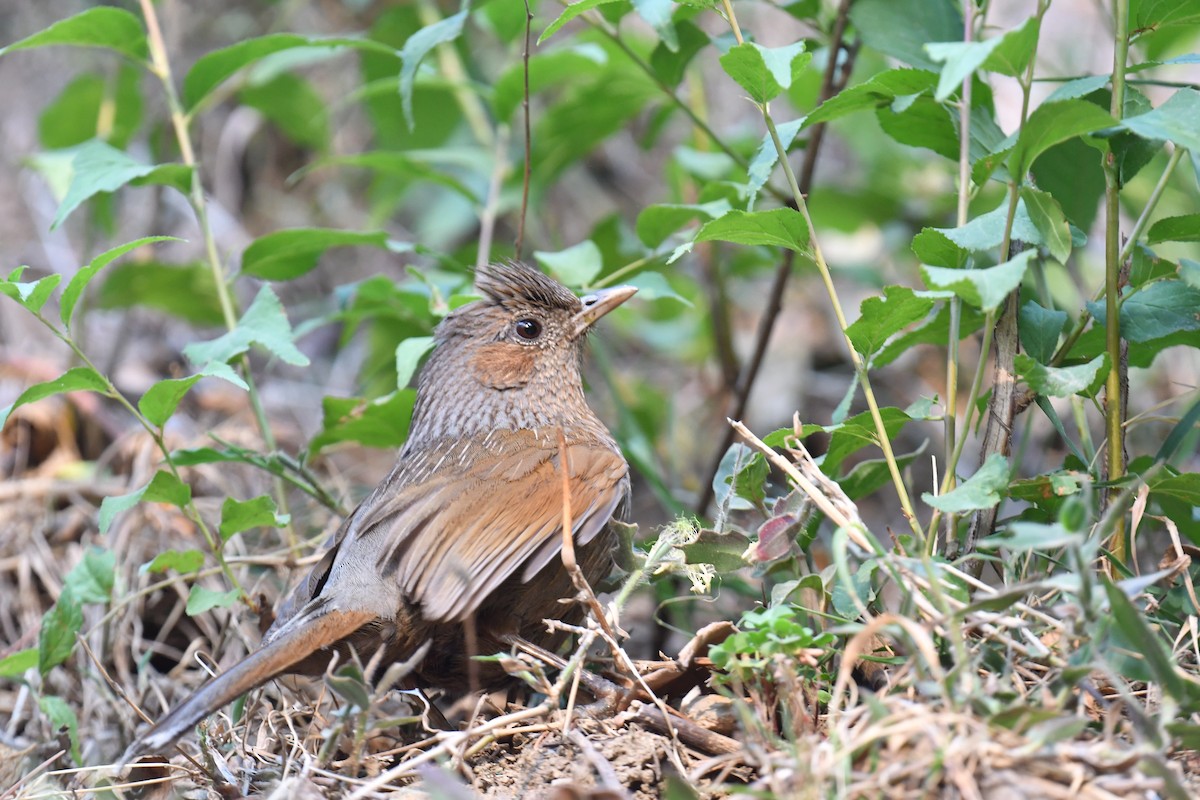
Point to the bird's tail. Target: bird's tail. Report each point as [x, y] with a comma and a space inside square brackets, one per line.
[302, 636]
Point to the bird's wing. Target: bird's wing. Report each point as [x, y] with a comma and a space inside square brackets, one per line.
[463, 522]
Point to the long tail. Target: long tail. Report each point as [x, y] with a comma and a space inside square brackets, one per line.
[297, 640]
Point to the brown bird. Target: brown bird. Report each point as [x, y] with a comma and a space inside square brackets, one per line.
[468, 524]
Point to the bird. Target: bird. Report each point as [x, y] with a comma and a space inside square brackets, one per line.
[463, 537]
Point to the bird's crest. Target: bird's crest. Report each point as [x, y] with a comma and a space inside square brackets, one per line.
[513, 280]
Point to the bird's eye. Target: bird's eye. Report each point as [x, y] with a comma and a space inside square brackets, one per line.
[529, 329]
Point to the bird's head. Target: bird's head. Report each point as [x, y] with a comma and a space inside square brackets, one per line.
[514, 354]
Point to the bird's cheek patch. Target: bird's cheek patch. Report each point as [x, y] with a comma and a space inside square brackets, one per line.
[503, 365]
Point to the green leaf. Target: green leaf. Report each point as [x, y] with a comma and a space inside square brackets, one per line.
[983, 288]
[1008, 54]
[1051, 123]
[414, 165]
[1145, 643]
[670, 63]
[212, 69]
[780, 227]
[900, 28]
[657, 14]
[1047, 216]
[100, 167]
[982, 490]
[1156, 310]
[186, 291]
[655, 223]
[160, 400]
[60, 625]
[767, 156]
[1150, 14]
[291, 103]
[162, 488]
[417, 47]
[238, 516]
[1016, 49]
[578, 265]
[881, 90]
[375, 423]
[408, 354]
[933, 247]
[881, 317]
[18, 663]
[264, 323]
[765, 72]
[546, 69]
[1185, 487]
[722, 550]
[653, 286]
[62, 716]
[80, 280]
[288, 254]
[110, 28]
[76, 379]
[569, 13]
[92, 106]
[201, 599]
[1061, 381]
[1024, 537]
[91, 580]
[1040, 329]
[184, 562]
[31, 296]
[1189, 272]
[1175, 229]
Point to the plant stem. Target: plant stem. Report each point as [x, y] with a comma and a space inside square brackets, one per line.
[1113, 411]
[179, 122]
[860, 368]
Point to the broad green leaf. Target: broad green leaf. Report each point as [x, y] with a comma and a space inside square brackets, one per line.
[657, 14]
[160, 400]
[109, 28]
[76, 379]
[1147, 643]
[415, 165]
[1175, 229]
[238, 516]
[201, 599]
[214, 68]
[93, 106]
[767, 156]
[569, 13]
[1023, 537]
[31, 296]
[1072, 174]
[375, 423]
[1040, 329]
[765, 72]
[934, 330]
[408, 354]
[80, 280]
[288, 254]
[780, 227]
[18, 663]
[184, 562]
[62, 716]
[264, 323]
[982, 490]
[1189, 272]
[1185, 487]
[91, 580]
[900, 28]
[722, 550]
[186, 291]
[546, 69]
[670, 63]
[849, 436]
[1079, 87]
[162, 488]
[655, 223]
[100, 167]
[578, 265]
[882, 89]
[1051, 123]
[984, 288]
[921, 122]
[986, 231]
[417, 47]
[291, 103]
[1156, 310]
[653, 286]
[60, 625]
[1151, 14]
[1015, 50]
[1060, 381]
[881, 317]
[1047, 216]
[934, 247]
[1008, 54]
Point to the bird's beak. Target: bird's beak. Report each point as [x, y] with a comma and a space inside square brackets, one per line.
[599, 303]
